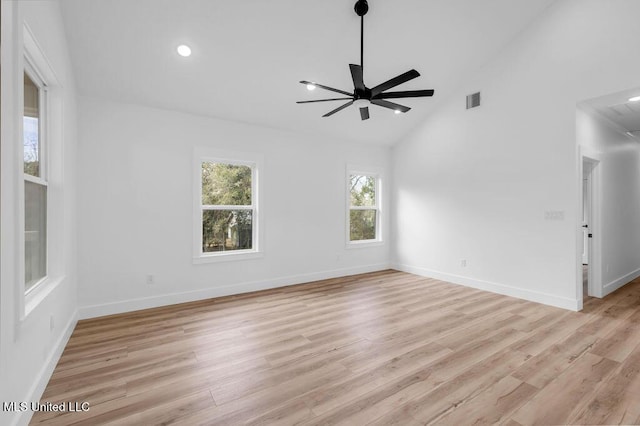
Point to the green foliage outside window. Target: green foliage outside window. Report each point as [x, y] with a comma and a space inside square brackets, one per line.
[226, 229]
[362, 223]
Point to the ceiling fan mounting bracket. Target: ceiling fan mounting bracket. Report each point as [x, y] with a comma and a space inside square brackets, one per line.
[361, 7]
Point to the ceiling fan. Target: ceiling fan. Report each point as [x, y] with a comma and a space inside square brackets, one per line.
[362, 96]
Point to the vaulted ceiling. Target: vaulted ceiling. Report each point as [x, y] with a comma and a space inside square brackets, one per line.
[248, 56]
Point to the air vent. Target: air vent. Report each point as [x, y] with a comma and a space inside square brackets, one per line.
[473, 100]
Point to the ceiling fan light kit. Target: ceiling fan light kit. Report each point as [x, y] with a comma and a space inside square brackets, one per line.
[362, 96]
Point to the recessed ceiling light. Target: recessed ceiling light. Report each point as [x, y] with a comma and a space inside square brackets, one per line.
[397, 111]
[184, 50]
[311, 86]
[634, 99]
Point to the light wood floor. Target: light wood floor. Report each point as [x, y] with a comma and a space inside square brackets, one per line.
[383, 348]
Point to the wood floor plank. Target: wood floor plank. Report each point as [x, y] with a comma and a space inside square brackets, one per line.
[464, 386]
[260, 403]
[330, 397]
[616, 402]
[167, 413]
[565, 396]
[289, 414]
[379, 401]
[492, 406]
[241, 386]
[382, 348]
[618, 344]
[117, 409]
[544, 367]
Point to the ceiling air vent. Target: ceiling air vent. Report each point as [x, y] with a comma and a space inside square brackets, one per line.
[473, 100]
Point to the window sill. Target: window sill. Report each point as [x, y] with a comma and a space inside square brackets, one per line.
[227, 257]
[364, 244]
[39, 293]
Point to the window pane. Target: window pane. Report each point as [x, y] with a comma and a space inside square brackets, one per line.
[31, 127]
[363, 190]
[362, 225]
[224, 230]
[226, 184]
[35, 233]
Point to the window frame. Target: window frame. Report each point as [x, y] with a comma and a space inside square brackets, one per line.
[34, 62]
[254, 161]
[377, 174]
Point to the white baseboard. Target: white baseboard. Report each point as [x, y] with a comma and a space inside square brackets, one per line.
[533, 296]
[94, 311]
[37, 389]
[620, 282]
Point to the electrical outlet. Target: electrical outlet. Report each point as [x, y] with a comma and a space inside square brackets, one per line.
[151, 280]
[51, 323]
[463, 263]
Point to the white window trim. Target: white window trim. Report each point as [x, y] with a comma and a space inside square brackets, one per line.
[255, 161]
[378, 174]
[37, 66]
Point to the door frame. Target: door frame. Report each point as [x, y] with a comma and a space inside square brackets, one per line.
[594, 267]
[586, 209]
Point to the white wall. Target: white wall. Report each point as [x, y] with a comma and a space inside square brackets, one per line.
[29, 349]
[135, 208]
[619, 168]
[476, 184]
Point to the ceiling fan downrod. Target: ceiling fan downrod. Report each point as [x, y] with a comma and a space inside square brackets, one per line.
[361, 7]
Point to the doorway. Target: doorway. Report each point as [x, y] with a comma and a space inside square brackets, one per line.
[586, 219]
[590, 253]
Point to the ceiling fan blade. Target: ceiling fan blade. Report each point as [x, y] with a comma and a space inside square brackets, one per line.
[356, 75]
[390, 105]
[340, 108]
[405, 94]
[327, 88]
[402, 78]
[364, 113]
[323, 100]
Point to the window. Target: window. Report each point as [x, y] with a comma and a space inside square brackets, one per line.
[38, 170]
[364, 207]
[227, 210]
[35, 182]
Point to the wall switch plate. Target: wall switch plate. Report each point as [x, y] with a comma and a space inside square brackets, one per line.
[463, 263]
[554, 215]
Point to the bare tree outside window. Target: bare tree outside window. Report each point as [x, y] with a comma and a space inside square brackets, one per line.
[31, 127]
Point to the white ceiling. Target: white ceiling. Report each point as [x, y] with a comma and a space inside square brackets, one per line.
[248, 56]
[618, 109]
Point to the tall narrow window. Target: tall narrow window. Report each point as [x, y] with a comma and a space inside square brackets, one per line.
[228, 207]
[35, 184]
[364, 207]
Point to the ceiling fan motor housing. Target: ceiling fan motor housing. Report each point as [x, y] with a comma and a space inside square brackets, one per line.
[362, 94]
[361, 7]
